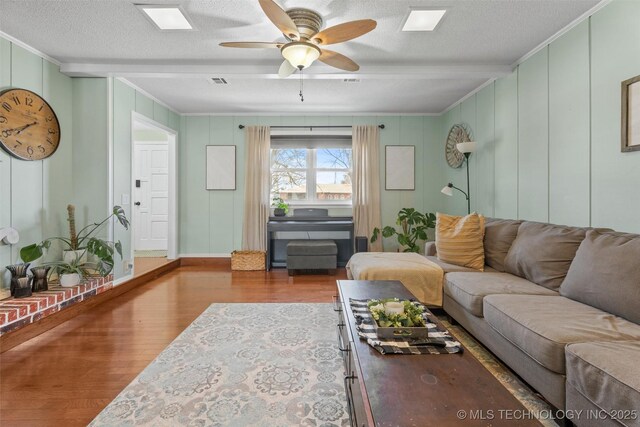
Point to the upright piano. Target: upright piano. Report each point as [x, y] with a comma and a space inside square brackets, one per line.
[309, 224]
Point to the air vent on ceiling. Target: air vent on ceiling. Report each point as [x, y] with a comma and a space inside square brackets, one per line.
[352, 80]
[219, 80]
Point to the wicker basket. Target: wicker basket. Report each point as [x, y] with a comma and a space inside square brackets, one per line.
[248, 260]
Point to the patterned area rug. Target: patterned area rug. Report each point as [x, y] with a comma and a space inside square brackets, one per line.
[242, 365]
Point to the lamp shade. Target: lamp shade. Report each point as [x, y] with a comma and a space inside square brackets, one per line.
[300, 54]
[446, 190]
[466, 147]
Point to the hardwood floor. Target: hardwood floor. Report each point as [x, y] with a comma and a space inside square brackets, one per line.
[67, 375]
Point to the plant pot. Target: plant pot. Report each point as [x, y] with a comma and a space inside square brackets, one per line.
[279, 212]
[70, 256]
[69, 279]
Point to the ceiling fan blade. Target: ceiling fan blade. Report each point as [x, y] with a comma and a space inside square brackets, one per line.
[259, 45]
[286, 69]
[280, 19]
[338, 60]
[343, 32]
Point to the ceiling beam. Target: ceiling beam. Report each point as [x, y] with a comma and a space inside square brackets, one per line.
[317, 71]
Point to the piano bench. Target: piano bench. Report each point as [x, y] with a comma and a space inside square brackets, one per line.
[312, 255]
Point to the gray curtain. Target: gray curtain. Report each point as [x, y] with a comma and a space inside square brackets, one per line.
[366, 182]
[257, 186]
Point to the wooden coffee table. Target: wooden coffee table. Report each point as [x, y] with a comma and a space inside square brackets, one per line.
[416, 390]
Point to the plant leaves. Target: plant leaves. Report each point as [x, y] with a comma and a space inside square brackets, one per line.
[122, 218]
[31, 252]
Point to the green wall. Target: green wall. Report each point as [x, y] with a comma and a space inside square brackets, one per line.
[125, 100]
[34, 194]
[548, 137]
[549, 133]
[211, 221]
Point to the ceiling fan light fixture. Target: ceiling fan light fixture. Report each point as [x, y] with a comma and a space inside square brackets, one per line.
[300, 54]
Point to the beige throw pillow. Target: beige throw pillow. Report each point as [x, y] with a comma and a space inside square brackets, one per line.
[459, 240]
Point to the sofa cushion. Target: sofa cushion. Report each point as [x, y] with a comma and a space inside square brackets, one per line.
[606, 274]
[469, 289]
[542, 253]
[607, 374]
[459, 240]
[541, 326]
[449, 268]
[499, 234]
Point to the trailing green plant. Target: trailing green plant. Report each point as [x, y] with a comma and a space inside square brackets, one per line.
[85, 239]
[279, 203]
[413, 228]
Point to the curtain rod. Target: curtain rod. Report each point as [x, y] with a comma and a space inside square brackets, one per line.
[310, 127]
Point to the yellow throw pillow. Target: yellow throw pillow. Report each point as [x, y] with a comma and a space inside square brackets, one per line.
[459, 240]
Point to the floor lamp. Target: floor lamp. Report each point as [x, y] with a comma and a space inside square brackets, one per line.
[465, 148]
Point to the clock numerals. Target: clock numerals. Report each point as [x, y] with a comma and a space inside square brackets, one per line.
[29, 128]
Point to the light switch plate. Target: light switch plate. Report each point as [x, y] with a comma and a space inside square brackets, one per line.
[126, 200]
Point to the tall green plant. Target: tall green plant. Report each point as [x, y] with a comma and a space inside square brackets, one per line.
[103, 250]
[413, 226]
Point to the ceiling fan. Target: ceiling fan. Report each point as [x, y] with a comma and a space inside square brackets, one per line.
[301, 27]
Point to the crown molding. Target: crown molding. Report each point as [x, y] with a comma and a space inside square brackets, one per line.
[310, 114]
[147, 94]
[30, 48]
[536, 49]
[562, 32]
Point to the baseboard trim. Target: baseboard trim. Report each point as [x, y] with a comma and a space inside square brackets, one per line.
[218, 263]
[19, 336]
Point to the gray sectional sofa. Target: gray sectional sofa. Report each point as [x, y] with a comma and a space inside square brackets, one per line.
[561, 307]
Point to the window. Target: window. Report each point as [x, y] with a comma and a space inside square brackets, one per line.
[313, 175]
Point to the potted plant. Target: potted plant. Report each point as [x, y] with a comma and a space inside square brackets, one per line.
[281, 207]
[414, 226]
[70, 273]
[83, 243]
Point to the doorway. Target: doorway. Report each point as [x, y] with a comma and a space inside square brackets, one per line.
[153, 194]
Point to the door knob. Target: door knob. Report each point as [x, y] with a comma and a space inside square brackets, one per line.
[137, 203]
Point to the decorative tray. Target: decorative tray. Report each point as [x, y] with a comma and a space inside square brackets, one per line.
[393, 318]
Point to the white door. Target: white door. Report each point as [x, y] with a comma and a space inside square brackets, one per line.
[151, 196]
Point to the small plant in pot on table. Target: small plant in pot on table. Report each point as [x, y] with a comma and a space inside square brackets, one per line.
[281, 207]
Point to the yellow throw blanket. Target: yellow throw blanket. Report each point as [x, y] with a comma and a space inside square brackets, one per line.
[420, 276]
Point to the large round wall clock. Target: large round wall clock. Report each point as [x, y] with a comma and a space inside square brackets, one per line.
[29, 129]
[457, 134]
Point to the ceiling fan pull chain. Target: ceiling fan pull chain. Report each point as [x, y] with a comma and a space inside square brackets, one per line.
[301, 87]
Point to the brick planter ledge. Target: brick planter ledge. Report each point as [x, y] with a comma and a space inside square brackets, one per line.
[17, 313]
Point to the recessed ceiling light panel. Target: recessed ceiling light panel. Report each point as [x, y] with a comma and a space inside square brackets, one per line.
[166, 17]
[423, 20]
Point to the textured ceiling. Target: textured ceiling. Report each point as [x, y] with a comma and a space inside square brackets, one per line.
[114, 32]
